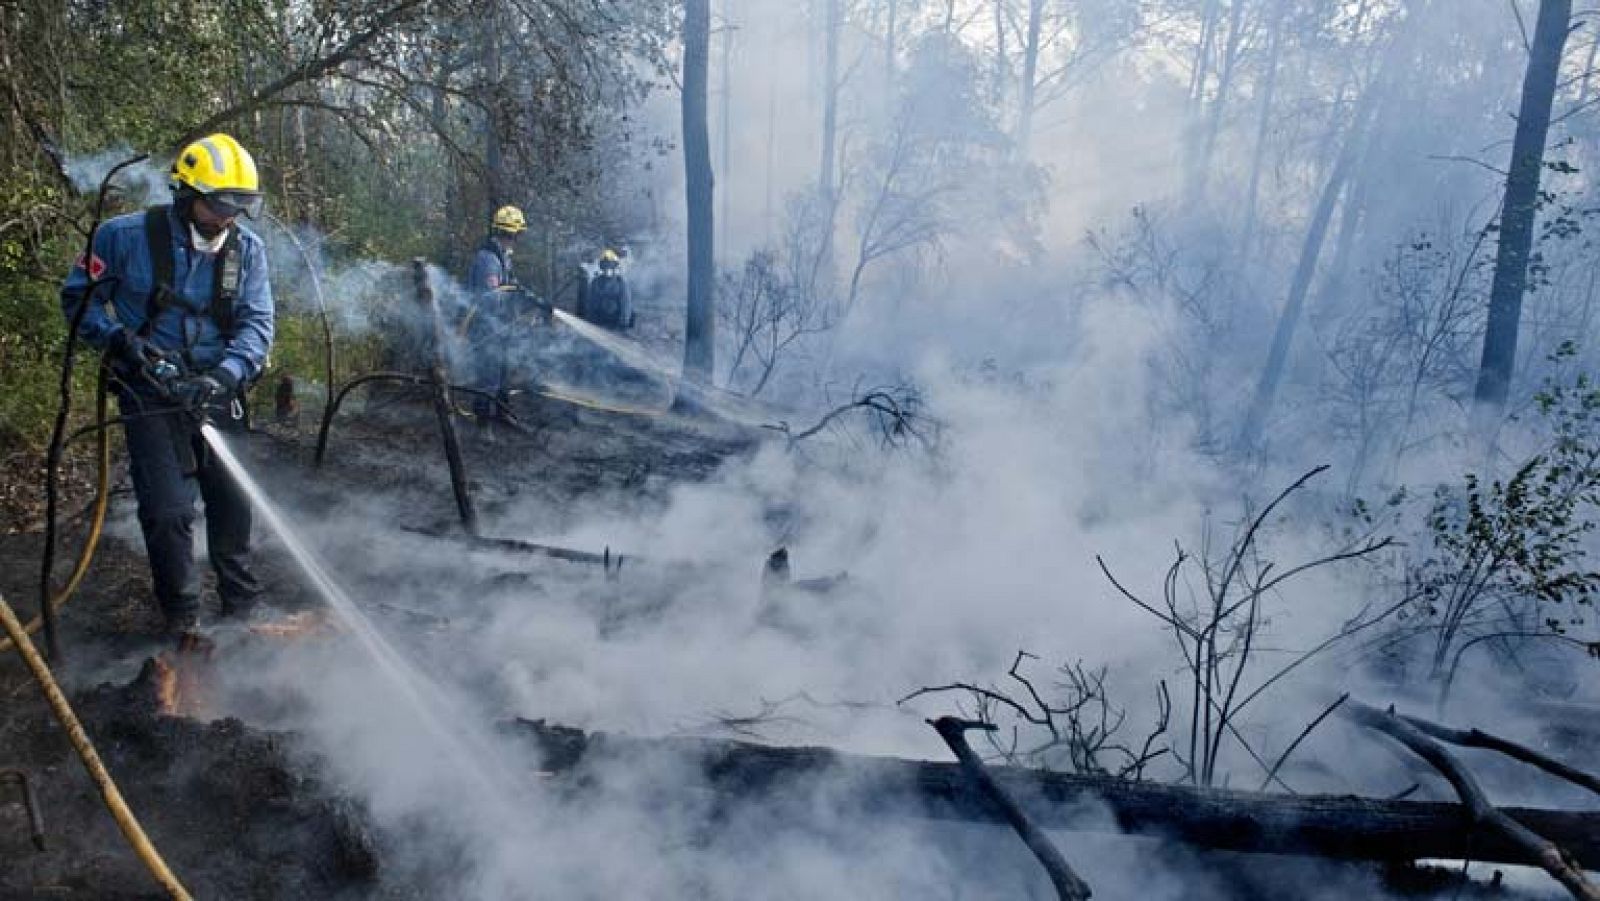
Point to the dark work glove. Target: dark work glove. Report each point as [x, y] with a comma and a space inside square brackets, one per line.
[202, 390]
[135, 356]
[223, 377]
[128, 350]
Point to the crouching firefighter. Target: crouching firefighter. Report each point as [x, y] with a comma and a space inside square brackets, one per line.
[182, 308]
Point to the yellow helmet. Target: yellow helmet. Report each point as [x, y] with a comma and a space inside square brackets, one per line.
[219, 167]
[509, 219]
[609, 256]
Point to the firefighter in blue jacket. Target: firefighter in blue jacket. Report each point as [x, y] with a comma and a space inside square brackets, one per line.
[494, 295]
[180, 301]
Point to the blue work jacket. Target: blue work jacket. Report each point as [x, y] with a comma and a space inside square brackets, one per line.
[491, 270]
[121, 260]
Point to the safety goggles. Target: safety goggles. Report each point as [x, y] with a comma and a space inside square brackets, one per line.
[229, 204]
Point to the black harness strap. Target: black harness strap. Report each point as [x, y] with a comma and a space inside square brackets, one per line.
[225, 284]
[225, 274]
[158, 237]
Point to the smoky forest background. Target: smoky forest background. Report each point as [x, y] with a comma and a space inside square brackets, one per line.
[1165, 373]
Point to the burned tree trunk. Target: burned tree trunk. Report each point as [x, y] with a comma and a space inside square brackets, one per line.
[698, 332]
[1521, 203]
[830, 96]
[1341, 827]
[441, 401]
[1264, 124]
[1030, 67]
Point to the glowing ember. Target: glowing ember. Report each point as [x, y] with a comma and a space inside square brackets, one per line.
[295, 625]
[179, 680]
[164, 678]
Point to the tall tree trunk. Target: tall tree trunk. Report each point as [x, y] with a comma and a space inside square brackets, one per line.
[1365, 198]
[891, 38]
[769, 211]
[699, 336]
[493, 158]
[1199, 80]
[1269, 92]
[454, 188]
[1396, 58]
[830, 94]
[1521, 203]
[725, 127]
[1201, 73]
[302, 168]
[999, 54]
[1230, 57]
[1030, 71]
[1351, 214]
[1310, 252]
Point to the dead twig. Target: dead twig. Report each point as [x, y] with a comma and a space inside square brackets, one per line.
[897, 413]
[1310, 727]
[1068, 886]
[1085, 724]
[1557, 862]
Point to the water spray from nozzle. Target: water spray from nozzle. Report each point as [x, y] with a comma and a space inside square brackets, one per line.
[475, 759]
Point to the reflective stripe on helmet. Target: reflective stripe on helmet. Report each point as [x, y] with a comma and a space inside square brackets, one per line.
[218, 162]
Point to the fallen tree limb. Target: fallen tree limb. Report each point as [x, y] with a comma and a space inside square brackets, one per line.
[1477, 738]
[1068, 886]
[1342, 827]
[1550, 855]
[612, 562]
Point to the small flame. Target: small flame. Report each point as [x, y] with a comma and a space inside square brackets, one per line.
[179, 678]
[164, 677]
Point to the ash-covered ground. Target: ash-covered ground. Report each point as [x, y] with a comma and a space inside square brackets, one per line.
[292, 767]
[235, 804]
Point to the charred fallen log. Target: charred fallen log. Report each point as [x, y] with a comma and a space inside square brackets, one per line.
[1341, 827]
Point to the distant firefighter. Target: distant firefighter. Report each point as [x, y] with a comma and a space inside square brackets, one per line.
[497, 301]
[605, 300]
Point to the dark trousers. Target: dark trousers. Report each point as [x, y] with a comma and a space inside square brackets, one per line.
[487, 336]
[172, 467]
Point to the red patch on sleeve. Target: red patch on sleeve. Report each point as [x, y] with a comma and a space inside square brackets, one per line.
[96, 267]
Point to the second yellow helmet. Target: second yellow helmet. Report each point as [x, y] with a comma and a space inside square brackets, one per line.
[509, 219]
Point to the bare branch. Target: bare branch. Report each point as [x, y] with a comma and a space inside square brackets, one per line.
[1557, 862]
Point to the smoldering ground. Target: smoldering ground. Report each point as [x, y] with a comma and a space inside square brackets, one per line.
[1116, 372]
[955, 561]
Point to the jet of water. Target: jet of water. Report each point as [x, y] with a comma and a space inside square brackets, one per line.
[467, 753]
[659, 367]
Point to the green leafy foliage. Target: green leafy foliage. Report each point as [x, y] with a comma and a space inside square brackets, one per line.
[370, 121]
[1509, 557]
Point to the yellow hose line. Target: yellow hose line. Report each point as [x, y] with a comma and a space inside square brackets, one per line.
[97, 522]
[91, 761]
[556, 394]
